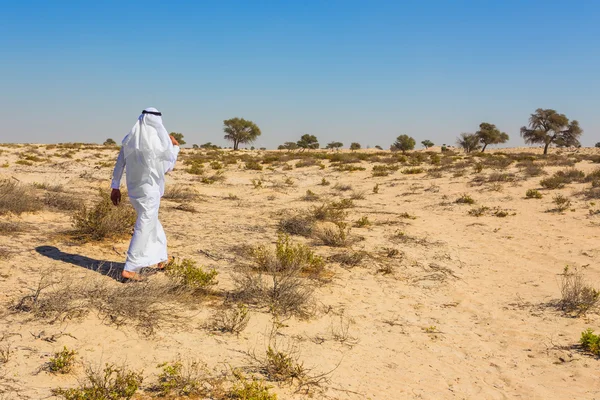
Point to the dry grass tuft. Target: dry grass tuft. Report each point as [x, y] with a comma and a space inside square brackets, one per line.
[577, 296]
[16, 198]
[180, 193]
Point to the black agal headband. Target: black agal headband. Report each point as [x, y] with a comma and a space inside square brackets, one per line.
[152, 112]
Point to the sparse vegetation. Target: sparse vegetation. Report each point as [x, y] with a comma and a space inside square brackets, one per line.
[62, 362]
[465, 199]
[231, 320]
[103, 220]
[562, 203]
[17, 198]
[577, 296]
[191, 276]
[109, 383]
[533, 194]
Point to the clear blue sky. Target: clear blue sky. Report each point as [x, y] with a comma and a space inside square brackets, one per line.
[363, 71]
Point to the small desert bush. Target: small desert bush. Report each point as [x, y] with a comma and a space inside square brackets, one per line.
[61, 201]
[210, 179]
[577, 296]
[231, 320]
[533, 194]
[362, 222]
[196, 169]
[465, 199]
[561, 178]
[216, 165]
[103, 220]
[561, 202]
[62, 362]
[9, 228]
[376, 188]
[288, 256]
[187, 274]
[276, 280]
[299, 224]
[590, 342]
[412, 171]
[177, 380]
[16, 198]
[357, 195]
[250, 389]
[310, 196]
[334, 235]
[328, 212]
[479, 211]
[109, 383]
[324, 182]
[179, 193]
[349, 258]
[342, 187]
[48, 187]
[531, 169]
[253, 165]
[342, 204]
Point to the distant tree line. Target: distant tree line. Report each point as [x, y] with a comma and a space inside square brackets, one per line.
[546, 127]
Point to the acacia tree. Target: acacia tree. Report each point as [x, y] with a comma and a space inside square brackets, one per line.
[489, 134]
[355, 146]
[288, 146]
[427, 143]
[598, 144]
[109, 142]
[308, 142]
[403, 143]
[469, 142]
[178, 137]
[334, 145]
[547, 126]
[239, 130]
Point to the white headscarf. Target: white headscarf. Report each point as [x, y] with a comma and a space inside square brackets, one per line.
[146, 148]
[141, 140]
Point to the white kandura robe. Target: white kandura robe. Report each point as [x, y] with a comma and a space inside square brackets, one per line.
[148, 154]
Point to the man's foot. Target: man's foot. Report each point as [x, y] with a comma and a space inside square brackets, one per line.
[131, 276]
[164, 264]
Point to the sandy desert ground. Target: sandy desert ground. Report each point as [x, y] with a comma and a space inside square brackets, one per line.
[422, 300]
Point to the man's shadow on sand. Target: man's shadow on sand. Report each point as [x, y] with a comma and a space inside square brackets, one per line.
[106, 268]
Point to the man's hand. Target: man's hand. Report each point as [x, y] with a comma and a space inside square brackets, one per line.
[115, 196]
[174, 141]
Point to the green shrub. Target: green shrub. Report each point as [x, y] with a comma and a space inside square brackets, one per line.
[533, 194]
[577, 296]
[412, 171]
[253, 165]
[232, 320]
[479, 211]
[188, 275]
[175, 379]
[250, 389]
[590, 342]
[362, 222]
[288, 257]
[111, 383]
[562, 203]
[62, 362]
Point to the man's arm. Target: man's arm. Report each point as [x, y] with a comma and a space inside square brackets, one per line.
[169, 165]
[115, 195]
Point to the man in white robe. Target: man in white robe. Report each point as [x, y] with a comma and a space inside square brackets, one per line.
[148, 152]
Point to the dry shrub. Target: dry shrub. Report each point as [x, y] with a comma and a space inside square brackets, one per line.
[577, 296]
[108, 383]
[180, 193]
[531, 169]
[310, 196]
[349, 259]
[59, 201]
[231, 320]
[186, 207]
[300, 224]
[562, 202]
[277, 279]
[103, 220]
[5, 254]
[328, 212]
[216, 177]
[146, 305]
[9, 228]
[592, 193]
[16, 198]
[342, 187]
[334, 235]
